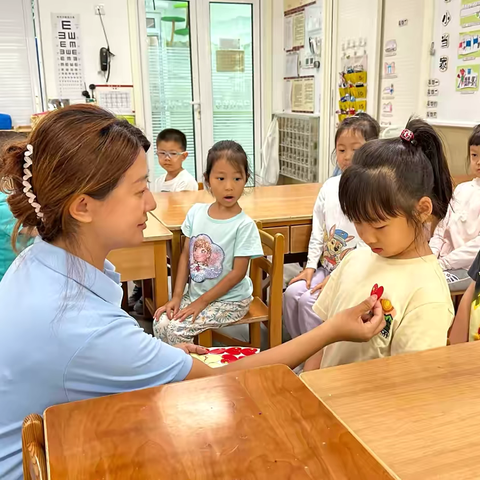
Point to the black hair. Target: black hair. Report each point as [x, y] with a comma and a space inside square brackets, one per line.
[361, 123]
[387, 178]
[231, 151]
[173, 135]
[473, 141]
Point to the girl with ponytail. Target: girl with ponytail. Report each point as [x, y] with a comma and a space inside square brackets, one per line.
[393, 192]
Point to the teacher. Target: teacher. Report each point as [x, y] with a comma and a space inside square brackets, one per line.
[81, 180]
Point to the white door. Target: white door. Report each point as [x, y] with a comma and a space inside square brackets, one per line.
[203, 74]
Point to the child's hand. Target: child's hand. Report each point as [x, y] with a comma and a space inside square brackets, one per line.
[306, 275]
[193, 310]
[171, 308]
[191, 348]
[320, 286]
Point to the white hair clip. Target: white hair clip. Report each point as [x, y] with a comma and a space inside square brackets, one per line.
[28, 186]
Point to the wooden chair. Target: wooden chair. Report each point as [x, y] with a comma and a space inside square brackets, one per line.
[271, 314]
[33, 448]
[201, 186]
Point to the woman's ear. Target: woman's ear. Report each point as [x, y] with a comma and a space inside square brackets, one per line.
[424, 209]
[82, 208]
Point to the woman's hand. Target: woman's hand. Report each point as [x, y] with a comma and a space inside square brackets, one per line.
[320, 286]
[191, 348]
[306, 275]
[359, 323]
[171, 308]
[193, 310]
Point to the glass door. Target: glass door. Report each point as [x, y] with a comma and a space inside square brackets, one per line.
[169, 53]
[229, 39]
[204, 75]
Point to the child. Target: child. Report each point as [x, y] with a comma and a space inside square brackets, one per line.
[390, 192]
[220, 241]
[171, 152]
[333, 235]
[467, 320]
[456, 240]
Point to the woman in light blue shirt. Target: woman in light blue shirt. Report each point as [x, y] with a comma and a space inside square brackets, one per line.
[81, 181]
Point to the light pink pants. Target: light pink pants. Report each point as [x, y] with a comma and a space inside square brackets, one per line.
[298, 315]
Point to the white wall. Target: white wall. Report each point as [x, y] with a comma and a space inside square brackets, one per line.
[117, 26]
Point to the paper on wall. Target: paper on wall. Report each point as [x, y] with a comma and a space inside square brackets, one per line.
[287, 96]
[303, 95]
[298, 29]
[291, 65]
[288, 35]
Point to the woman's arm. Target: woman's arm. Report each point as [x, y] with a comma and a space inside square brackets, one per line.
[347, 325]
[238, 273]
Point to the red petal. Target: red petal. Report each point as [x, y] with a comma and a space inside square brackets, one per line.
[374, 289]
[234, 351]
[249, 351]
[380, 292]
[217, 351]
[226, 358]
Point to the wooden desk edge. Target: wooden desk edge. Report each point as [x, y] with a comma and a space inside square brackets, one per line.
[367, 448]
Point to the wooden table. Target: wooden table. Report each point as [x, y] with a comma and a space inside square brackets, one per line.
[419, 413]
[146, 261]
[256, 424]
[285, 209]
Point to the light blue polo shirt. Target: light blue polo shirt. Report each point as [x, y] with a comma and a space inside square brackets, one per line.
[63, 337]
[7, 222]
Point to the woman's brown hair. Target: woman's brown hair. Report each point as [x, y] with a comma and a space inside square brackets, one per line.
[81, 149]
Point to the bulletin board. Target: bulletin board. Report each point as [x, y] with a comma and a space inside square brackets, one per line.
[454, 98]
[405, 60]
[302, 45]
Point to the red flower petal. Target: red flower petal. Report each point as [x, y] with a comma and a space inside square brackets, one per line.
[234, 351]
[249, 351]
[217, 351]
[226, 358]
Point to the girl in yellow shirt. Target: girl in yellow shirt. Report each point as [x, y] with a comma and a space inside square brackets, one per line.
[391, 193]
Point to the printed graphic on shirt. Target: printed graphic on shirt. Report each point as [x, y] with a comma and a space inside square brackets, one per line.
[388, 310]
[335, 243]
[206, 259]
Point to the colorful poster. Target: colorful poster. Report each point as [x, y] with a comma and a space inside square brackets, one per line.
[467, 79]
[67, 51]
[469, 45]
[470, 15]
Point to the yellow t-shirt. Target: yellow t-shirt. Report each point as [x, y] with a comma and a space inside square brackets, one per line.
[474, 272]
[415, 297]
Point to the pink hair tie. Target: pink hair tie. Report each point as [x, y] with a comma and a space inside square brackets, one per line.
[408, 136]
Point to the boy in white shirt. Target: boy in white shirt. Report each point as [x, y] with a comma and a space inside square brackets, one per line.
[172, 152]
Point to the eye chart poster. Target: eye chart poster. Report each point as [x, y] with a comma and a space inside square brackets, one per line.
[68, 56]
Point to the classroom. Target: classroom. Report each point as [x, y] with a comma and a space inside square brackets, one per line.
[239, 239]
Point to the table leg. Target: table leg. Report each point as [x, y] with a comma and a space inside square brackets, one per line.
[176, 252]
[161, 274]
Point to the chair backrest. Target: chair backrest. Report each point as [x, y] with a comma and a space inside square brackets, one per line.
[274, 247]
[201, 186]
[33, 448]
